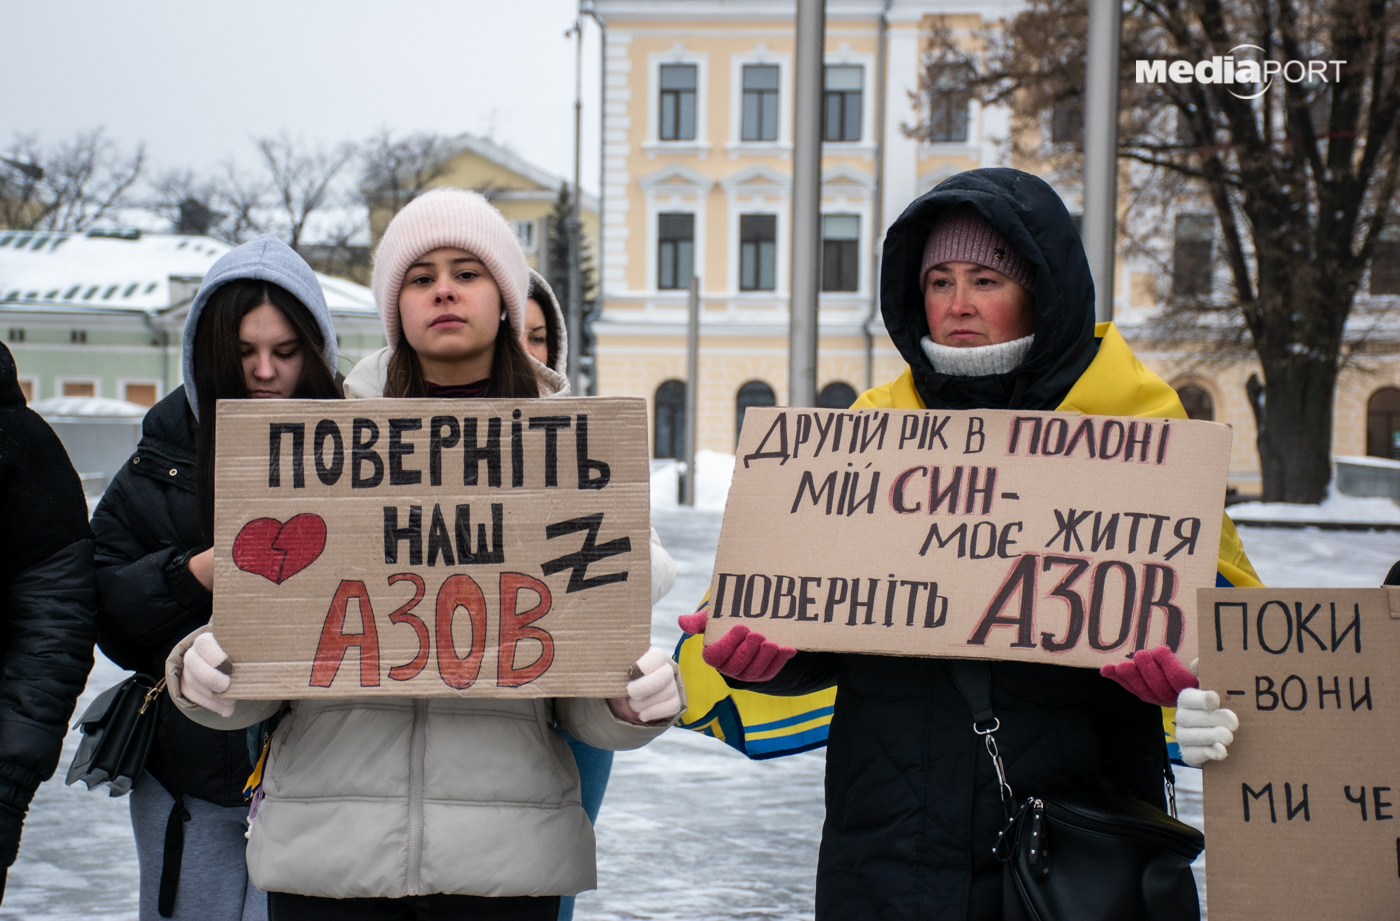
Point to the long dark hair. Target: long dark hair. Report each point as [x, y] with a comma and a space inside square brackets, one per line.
[511, 373]
[540, 296]
[218, 366]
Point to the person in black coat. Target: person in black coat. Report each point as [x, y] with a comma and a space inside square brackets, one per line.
[258, 328]
[912, 798]
[48, 604]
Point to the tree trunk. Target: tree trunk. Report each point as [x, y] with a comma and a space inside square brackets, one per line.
[1295, 440]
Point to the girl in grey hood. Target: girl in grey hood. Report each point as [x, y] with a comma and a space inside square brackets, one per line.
[258, 328]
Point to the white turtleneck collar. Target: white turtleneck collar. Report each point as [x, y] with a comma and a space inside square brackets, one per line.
[977, 361]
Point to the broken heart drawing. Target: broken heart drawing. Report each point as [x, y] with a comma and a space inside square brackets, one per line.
[277, 551]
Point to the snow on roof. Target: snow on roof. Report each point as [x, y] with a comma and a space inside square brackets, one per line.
[87, 408]
[120, 271]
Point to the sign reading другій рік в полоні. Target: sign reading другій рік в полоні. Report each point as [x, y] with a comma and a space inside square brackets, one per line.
[1300, 818]
[1038, 536]
[492, 548]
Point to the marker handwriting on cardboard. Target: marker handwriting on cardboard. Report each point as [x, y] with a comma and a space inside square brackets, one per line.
[479, 444]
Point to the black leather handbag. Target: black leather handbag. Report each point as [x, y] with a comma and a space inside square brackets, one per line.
[1105, 858]
[117, 729]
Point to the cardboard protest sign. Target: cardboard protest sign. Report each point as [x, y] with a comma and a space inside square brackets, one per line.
[1298, 817]
[1039, 536]
[494, 548]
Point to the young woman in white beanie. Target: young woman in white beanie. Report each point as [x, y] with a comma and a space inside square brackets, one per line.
[448, 807]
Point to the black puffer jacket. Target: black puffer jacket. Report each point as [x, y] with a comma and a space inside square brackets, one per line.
[147, 527]
[47, 602]
[912, 800]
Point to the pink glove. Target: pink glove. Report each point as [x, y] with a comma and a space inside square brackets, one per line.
[745, 655]
[205, 674]
[1154, 675]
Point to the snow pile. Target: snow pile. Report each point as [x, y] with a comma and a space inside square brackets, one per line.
[1335, 508]
[711, 490]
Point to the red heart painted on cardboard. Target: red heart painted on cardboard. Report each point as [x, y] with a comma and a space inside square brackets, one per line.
[277, 551]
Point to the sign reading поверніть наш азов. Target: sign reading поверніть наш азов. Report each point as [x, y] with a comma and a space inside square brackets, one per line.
[1301, 817]
[422, 548]
[1038, 536]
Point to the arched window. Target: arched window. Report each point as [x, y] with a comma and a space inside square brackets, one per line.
[754, 393]
[1383, 424]
[1197, 401]
[836, 395]
[670, 419]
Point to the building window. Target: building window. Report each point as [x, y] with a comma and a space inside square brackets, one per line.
[670, 420]
[758, 252]
[525, 234]
[760, 103]
[1197, 402]
[754, 393]
[949, 96]
[1191, 255]
[1385, 264]
[1383, 424]
[675, 250]
[142, 393]
[16, 334]
[678, 102]
[79, 389]
[77, 336]
[841, 108]
[1067, 122]
[836, 395]
[26, 387]
[840, 239]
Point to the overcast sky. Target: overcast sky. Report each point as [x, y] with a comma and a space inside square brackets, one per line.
[193, 80]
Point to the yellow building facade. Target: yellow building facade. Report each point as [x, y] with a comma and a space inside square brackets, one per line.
[519, 189]
[697, 127]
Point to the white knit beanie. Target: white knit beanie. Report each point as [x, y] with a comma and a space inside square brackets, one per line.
[457, 218]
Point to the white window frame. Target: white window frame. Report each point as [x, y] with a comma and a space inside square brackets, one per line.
[64, 380]
[736, 146]
[700, 146]
[844, 57]
[851, 197]
[534, 224]
[123, 382]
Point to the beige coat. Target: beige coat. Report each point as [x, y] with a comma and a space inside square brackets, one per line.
[389, 797]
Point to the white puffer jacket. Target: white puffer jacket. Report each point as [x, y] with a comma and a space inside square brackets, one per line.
[390, 797]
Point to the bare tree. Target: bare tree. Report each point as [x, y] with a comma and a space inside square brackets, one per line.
[394, 171]
[70, 186]
[1300, 177]
[300, 179]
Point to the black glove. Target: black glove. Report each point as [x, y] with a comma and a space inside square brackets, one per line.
[11, 823]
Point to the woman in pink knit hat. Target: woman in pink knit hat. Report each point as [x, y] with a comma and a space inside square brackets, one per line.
[445, 807]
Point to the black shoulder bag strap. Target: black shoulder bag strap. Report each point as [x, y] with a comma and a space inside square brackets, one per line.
[974, 681]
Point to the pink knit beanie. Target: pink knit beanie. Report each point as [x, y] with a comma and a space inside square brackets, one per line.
[457, 218]
[963, 236]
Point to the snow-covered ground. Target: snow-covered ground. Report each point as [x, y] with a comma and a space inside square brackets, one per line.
[689, 829]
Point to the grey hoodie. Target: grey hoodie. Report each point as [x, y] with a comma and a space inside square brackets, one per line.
[268, 259]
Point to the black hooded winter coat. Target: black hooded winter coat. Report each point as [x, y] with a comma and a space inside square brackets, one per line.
[47, 602]
[147, 527]
[911, 797]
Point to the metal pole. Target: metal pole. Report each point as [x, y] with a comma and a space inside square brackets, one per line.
[600, 256]
[575, 223]
[692, 389]
[1101, 149]
[806, 203]
[877, 204]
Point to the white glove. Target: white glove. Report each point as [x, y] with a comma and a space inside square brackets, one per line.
[655, 695]
[201, 677]
[1203, 727]
[663, 569]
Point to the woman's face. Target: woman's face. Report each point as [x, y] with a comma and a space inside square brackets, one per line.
[450, 310]
[536, 341]
[272, 355]
[970, 305]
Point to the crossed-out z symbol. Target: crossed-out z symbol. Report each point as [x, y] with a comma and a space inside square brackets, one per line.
[591, 552]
